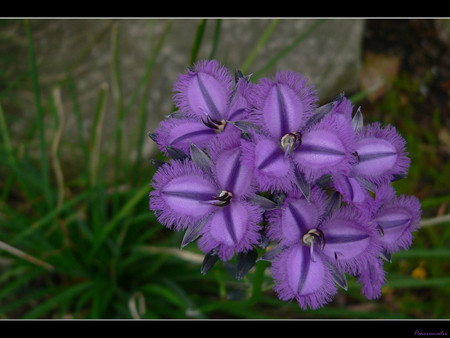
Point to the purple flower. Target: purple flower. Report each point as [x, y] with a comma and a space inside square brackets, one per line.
[332, 209]
[396, 216]
[317, 247]
[294, 146]
[210, 199]
[208, 102]
[379, 153]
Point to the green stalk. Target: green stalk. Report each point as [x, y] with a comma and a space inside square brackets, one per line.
[287, 49]
[261, 42]
[40, 117]
[197, 41]
[215, 38]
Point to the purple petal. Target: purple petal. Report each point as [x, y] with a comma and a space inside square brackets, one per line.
[351, 189]
[372, 278]
[231, 174]
[381, 154]
[325, 148]
[233, 228]
[298, 277]
[284, 104]
[180, 190]
[272, 170]
[239, 102]
[349, 239]
[180, 133]
[398, 217]
[204, 90]
[343, 110]
[296, 216]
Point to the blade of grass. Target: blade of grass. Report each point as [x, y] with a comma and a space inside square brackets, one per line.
[258, 278]
[94, 151]
[261, 42]
[64, 296]
[197, 41]
[76, 108]
[215, 39]
[23, 255]
[51, 216]
[6, 139]
[40, 117]
[119, 169]
[124, 212]
[288, 48]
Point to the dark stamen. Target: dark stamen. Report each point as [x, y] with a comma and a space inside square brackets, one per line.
[214, 124]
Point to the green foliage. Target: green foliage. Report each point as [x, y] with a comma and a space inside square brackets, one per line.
[86, 245]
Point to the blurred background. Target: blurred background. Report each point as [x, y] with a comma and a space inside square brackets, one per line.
[77, 99]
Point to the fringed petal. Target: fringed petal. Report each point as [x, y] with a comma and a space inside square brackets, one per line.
[272, 170]
[180, 133]
[326, 148]
[239, 101]
[352, 190]
[204, 90]
[296, 216]
[283, 104]
[180, 190]
[398, 218]
[231, 173]
[372, 278]
[350, 239]
[381, 154]
[297, 276]
[232, 229]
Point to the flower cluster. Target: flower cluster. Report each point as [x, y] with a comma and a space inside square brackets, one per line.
[261, 167]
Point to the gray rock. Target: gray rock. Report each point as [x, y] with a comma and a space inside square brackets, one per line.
[330, 57]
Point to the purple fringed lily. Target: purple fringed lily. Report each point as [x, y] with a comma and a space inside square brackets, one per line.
[209, 103]
[208, 198]
[318, 246]
[294, 146]
[397, 218]
[379, 153]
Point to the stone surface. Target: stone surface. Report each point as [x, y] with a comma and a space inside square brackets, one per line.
[330, 57]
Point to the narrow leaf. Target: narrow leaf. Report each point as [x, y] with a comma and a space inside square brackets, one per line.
[175, 153]
[301, 183]
[357, 121]
[210, 259]
[192, 233]
[245, 261]
[200, 158]
[262, 202]
[338, 277]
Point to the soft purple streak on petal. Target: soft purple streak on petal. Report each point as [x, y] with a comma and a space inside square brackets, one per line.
[351, 189]
[297, 277]
[233, 228]
[399, 217]
[283, 104]
[350, 239]
[239, 102]
[179, 133]
[271, 169]
[372, 278]
[381, 153]
[326, 148]
[230, 171]
[179, 193]
[204, 90]
[296, 216]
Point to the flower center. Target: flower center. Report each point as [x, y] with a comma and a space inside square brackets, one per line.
[291, 141]
[223, 198]
[313, 236]
[214, 124]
